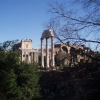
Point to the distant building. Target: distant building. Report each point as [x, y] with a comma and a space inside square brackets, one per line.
[72, 54]
[28, 54]
[66, 53]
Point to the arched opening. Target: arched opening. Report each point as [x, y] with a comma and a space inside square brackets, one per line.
[64, 49]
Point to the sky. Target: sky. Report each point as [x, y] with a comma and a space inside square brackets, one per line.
[23, 19]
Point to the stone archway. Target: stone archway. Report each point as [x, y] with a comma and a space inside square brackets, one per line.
[46, 35]
[65, 48]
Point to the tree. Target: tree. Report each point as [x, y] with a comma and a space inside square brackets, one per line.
[78, 22]
[18, 81]
[7, 45]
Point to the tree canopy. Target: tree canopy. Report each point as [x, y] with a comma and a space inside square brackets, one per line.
[18, 80]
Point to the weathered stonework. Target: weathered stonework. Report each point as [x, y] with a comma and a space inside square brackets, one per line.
[46, 35]
[66, 53]
[72, 54]
[28, 54]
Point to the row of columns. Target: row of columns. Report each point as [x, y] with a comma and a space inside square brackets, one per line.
[31, 56]
[47, 52]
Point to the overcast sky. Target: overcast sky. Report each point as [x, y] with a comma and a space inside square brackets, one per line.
[23, 19]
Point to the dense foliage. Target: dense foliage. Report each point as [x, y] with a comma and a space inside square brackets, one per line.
[18, 80]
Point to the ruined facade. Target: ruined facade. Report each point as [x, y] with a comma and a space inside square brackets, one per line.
[66, 54]
[57, 55]
[28, 54]
[70, 55]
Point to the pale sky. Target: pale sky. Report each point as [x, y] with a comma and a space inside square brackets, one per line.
[23, 19]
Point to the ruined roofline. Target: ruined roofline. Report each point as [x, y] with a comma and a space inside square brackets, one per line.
[47, 33]
[26, 40]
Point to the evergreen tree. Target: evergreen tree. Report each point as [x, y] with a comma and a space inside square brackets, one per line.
[18, 80]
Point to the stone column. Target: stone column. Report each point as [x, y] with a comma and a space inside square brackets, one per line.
[32, 57]
[47, 53]
[25, 56]
[68, 48]
[35, 57]
[52, 52]
[22, 55]
[42, 51]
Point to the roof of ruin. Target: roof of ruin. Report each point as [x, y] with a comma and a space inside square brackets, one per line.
[47, 33]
